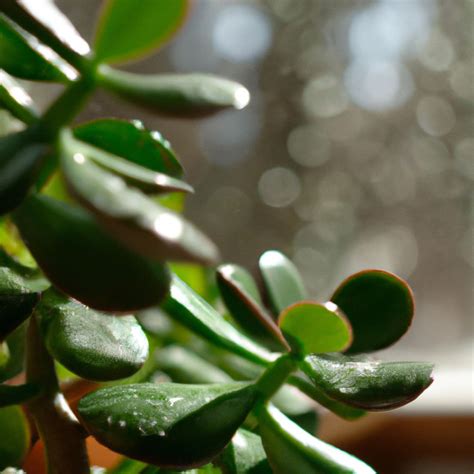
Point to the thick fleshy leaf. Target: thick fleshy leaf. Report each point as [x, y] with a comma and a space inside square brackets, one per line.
[170, 425]
[244, 455]
[291, 449]
[20, 289]
[16, 348]
[93, 345]
[240, 294]
[45, 21]
[188, 308]
[129, 215]
[128, 29]
[314, 328]
[20, 158]
[367, 384]
[188, 95]
[137, 176]
[23, 56]
[14, 436]
[132, 141]
[379, 306]
[4, 354]
[17, 394]
[282, 280]
[303, 383]
[16, 100]
[184, 366]
[83, 261]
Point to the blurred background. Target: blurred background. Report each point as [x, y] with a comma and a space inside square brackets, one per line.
[357, 151]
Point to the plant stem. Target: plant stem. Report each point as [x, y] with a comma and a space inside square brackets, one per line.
[62, 435]
[275, 376]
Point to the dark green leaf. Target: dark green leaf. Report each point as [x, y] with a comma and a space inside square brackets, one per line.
[129, 215]
[90, 344]
[184, 366]
[313, 328]
[282, 280]
[241, 296]
[83, 261]
[303, 383]
[16, 348]
[20, 158]
[20, 290]
[189, 95]
[367, 384]
[132, 141]
[379, 306]
[188, 308]
[23, 56]
[291, 449]
[244, 455]
[16, 100]
[137, 176]
[14, 436]
[128, 30]
[170, 425]
[17, 394]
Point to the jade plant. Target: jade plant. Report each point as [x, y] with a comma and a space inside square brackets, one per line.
[183, 371]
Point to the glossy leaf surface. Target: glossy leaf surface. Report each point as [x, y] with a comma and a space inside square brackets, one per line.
[282, 280]
[188, 308]
[17, 394]
[244, 455]
[83, 261]
[16, 100]
[14, 436]
[19, 160]
[182, 95]
[291, 449]
[170, 425]
[90, 344]
[311, 327]
[23, 56]
[128, 29]
[132, 141]
[240, 294]
[131, 216]
[148, 181]
[379, 306]
[184, 366]
[370, 385]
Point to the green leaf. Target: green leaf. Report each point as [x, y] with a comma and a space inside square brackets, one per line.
[188, 308]
[20, 158]
[367, 384]
[23, 56]
[244, 455]
[129, 215]
[188, 95]
[240, 294]
[128, 466]
[291, 449]
[128, 30]
[314, 328]
[282, 280]
[137, 176]
[170, 425]
[16, 100]
[4, 354]
[20, 291]
[132, 141]
[16, 347]
[184, 366]
[303, 383]
[14, 436]
[17, 394]
[379, 306]
[84, 262]
[92, 345]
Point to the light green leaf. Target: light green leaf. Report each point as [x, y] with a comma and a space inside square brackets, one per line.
[14, 436]
[128, 29]
[16, 100]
